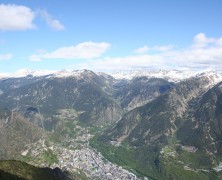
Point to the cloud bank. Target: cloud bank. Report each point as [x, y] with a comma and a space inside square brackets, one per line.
[204, 52]
[145, 49]
[85, 50]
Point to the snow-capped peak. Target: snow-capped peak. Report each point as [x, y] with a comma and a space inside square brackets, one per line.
[38, 73]
[213, 76]
[29, 72]
[26, 72]
[22, 73]
[170, 75]
[67, 73]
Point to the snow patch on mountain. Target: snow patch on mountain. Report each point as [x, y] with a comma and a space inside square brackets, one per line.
[26, 72]
[38, 73]
[170, 75]
[213, 76]
[173, 75]
[68, 73]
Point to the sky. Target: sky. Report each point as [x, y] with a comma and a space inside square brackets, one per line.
[110, 35]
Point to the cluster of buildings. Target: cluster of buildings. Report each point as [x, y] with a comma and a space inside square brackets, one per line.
[85, 159]
[92, 164]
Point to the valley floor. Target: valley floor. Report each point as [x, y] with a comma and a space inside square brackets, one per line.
[84, 160]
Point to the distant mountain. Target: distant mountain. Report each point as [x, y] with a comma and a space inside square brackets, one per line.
[84, 91]
[170, 75]
[139, 91]
[156, 119]
[178, 127]
[97, 98]
[162, 123]
[25, 72]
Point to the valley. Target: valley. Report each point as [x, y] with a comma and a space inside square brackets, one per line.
[84, 159]
[104, 126]
[110, 90]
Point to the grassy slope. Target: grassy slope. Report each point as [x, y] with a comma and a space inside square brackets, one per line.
[146, 161]
[22, 170]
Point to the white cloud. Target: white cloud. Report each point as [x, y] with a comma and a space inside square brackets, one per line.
[204, 52]
[163, 48]
[5, 56]
[219, 42]
[50, 21]
[142, 50]
[35, 58]
[85, 50]
[200, 40]
[145, 49]
[125, 62]
[14, 17]
[119, 63]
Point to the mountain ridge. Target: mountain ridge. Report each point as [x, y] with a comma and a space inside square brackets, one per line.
[171, 75]
[161, 121]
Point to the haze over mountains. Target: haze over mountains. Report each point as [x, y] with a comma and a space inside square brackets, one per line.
[156, 119]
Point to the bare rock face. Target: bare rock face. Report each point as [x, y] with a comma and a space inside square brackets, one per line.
[140, 90]
[205, 122]
[112, 114]
[158, 119]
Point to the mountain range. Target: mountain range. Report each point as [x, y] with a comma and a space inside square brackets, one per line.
[162, 124]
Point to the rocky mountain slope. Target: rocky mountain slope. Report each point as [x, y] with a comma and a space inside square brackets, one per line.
[96, 98]
[31, 105]
[85, 92]
[205, 123]
[181, 125]
[155, 122]
[15, 133]
[139, 91]
[159, 118]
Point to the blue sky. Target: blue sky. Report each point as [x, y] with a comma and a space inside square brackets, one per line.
[110, 35]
